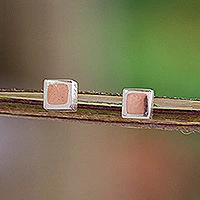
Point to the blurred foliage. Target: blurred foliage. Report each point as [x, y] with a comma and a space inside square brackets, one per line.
[105, 45]
[150, 44]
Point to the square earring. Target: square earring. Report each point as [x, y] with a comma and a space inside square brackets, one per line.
[60, 94]
[137, 103]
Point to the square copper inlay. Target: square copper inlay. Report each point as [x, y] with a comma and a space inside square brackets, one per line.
[136, 103]
[57, 94]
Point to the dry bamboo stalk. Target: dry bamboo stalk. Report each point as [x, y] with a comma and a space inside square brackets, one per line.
[169, 113]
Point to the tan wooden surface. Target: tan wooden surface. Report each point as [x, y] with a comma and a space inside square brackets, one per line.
[168, 113]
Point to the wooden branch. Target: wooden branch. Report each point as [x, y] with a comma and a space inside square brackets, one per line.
[168, 113]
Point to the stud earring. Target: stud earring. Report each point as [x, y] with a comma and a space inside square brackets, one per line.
[61, 94]
[137, 103]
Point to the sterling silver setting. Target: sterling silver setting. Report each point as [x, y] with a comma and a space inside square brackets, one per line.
[150, 97]
[72, 95]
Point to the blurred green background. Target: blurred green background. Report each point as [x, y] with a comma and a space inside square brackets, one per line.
[105, 46]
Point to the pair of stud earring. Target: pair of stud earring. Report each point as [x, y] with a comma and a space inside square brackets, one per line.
[62, 94]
